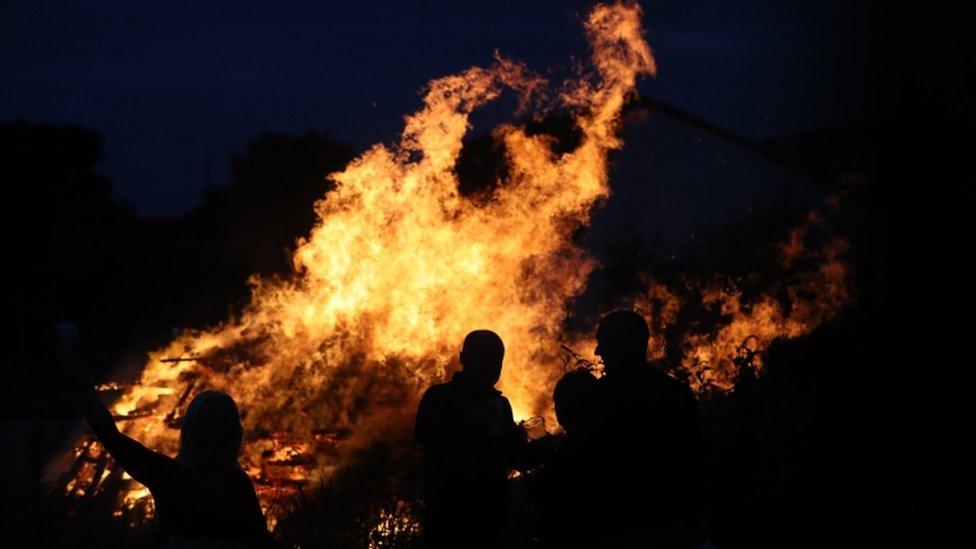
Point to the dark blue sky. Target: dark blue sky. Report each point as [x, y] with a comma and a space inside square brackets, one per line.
[168, 83]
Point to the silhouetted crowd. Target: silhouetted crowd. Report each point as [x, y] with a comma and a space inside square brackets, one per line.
[624, 474]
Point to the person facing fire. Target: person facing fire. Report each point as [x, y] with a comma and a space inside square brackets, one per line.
[470, 442]
[563, 486]
[202, 497]
[645, 445]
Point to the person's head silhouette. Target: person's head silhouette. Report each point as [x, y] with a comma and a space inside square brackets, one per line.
[211, 436]
[482, 355]
[622, 340]
[571, 398]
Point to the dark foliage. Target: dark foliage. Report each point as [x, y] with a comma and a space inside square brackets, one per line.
[84, 256]
[68, 241]
[250, 226]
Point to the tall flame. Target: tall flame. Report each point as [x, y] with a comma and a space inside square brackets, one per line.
[400, 266]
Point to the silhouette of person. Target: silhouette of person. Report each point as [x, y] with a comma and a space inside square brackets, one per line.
[563, 488]
[572, 398]
[470, 443]
[202, 498]
[644, 444]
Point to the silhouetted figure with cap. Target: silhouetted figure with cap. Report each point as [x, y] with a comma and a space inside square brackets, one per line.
[645, 445]
[202, 497]
[470, 443]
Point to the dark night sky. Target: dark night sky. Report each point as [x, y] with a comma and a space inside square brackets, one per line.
[169, 83]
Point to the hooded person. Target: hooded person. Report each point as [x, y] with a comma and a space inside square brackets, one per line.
[211, 439]
[202, 498]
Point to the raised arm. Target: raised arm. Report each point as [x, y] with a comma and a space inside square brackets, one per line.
[144, 465]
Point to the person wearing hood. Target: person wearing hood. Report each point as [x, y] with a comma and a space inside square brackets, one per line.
[202, 497]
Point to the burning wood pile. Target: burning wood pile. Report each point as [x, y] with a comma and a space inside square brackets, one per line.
[400, 266]
[279, 463]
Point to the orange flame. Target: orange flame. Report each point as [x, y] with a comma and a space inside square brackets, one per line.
[815, 295]
[400, 266]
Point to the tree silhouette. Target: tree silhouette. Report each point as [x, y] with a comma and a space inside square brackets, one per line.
[250, 225]
[67, 239]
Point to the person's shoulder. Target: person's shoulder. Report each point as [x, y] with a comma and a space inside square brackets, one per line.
[165, 464]
[603, 385]
[658, 371]
[436, 392]
[649, 379]
[668, 382]
[504, 401]
[676, 390]
[241, 480]
[438, 388]
[240, 475]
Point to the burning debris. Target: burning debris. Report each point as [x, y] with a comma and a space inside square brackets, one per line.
[810, 284]
[400, 266]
